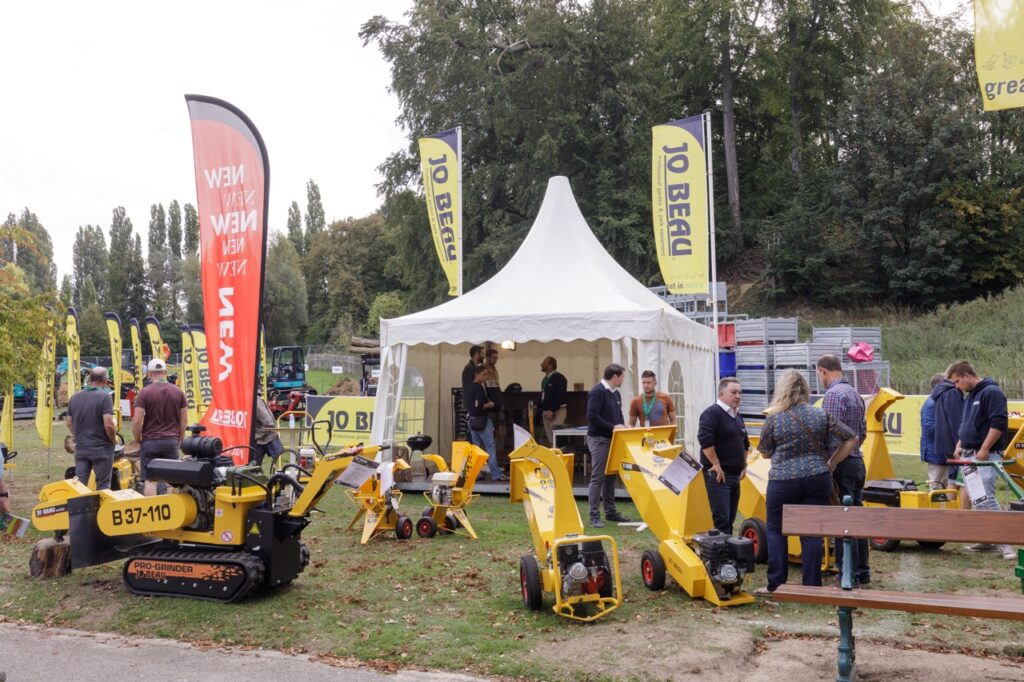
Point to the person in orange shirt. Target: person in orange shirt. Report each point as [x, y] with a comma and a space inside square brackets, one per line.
[652, 407]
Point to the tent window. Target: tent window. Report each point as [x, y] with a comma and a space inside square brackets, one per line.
[675, 391]
[410, 409]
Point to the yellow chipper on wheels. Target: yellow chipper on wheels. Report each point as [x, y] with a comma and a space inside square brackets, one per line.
[582, 571]
[452, 491]
[674, 506]
[221, 533]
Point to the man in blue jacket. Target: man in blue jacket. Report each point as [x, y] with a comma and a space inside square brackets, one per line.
[937, 468]
[604, 415]
[983, 436]
[949, 410]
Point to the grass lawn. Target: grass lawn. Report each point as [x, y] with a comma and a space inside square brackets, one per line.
[452, 603]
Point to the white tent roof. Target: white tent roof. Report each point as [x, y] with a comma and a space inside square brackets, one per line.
[560, 285]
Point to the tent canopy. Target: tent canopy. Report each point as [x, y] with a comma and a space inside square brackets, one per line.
[561, 288]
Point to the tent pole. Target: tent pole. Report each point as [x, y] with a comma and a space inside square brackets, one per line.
[711, 229]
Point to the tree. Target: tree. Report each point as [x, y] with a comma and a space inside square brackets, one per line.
[191, 229]
[174, 229]
[67, 291]
[28, 246]
[284, 294]
[315, 218]
[192, 289]
[160, 293]
[295, 228]
[92, 332]
[385, 306]
[126, 284]
[89, 260]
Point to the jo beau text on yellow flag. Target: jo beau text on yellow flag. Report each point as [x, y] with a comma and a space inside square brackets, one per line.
[136, 334]
[679, 203]
[116, 344]
[999, 52]
[74, 346]
[441, 162]
[46, 395]
[156, 341]
[187, 379]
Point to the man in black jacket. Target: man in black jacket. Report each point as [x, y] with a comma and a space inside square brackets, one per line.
[553, 389]
[724, 443]
[982, 437]
[604, 415]
[476, 357]
[481, 427]
[949, 411]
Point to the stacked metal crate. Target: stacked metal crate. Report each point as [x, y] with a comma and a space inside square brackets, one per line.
[866, 377]
[757, 344]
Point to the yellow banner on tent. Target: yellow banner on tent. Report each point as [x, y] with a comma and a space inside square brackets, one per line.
[116, 345]
[74, 346]
[187, 379]
[136, 334]
[441, 162]
[46, 398]
[679, 204]
[999, 52]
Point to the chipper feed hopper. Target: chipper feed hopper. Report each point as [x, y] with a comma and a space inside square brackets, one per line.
[706, 564]
[582, 571]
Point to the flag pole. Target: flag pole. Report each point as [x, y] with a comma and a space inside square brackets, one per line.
[711, 229]
[462, 227]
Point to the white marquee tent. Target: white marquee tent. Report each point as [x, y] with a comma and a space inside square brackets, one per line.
[562, 295]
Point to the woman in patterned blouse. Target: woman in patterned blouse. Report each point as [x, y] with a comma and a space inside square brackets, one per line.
[798, 438]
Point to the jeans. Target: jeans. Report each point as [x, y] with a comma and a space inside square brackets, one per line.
[988, 477]
[812, 490]
[849, 479]
[484, 439]
[261, 450]
[724, 498]
[601, 487]
[99, 461]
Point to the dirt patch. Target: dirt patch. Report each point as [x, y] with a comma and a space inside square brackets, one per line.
[811, 660]
[344, 387]
[647, 650]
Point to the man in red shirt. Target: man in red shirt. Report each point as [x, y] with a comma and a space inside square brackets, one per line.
[161, 415]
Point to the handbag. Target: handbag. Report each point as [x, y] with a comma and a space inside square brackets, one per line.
[822, 452]
[478, 422]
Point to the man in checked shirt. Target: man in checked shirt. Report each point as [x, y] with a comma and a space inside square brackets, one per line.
[844, 403]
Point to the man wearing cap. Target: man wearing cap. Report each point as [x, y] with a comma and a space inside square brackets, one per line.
[91, 422]
[158, 425]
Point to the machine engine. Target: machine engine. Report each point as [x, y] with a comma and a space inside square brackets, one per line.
[727, 559]
[444, 481]
[887, 491]
[585, 569]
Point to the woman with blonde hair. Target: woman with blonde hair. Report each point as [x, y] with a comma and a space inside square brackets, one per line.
[804, 444]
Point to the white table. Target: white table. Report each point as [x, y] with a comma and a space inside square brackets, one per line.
[571, 432]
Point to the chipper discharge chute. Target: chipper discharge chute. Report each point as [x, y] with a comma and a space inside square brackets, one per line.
[705, 563]
[881, 487]
[452, 491]
[582, 571]
[221, 533]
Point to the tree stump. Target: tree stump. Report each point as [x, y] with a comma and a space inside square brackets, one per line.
[50, 559]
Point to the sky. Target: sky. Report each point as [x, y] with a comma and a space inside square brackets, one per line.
[94, 117]
[93, 114]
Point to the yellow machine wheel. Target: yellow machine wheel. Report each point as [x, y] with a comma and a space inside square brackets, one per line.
[756, 531]
[530, 583]
[652, 570]
[426, 527]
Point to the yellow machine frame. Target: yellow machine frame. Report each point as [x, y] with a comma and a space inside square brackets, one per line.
[639, 456]
[379, 508]
[541, 479]
[53, 495]
[468, 460]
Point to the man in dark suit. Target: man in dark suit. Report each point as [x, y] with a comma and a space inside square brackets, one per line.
[604, 415]
[553, 389]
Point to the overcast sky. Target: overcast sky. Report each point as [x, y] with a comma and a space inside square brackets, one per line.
[94, 117]
[93, 114]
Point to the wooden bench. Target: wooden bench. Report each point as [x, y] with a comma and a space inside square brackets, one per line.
[934, 525]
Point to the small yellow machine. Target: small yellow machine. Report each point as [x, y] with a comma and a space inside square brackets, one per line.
[582, 571]
[377, 500]
[452, 491]
[222, 533]
[705, 563]
[882, 488]
[1015, 449]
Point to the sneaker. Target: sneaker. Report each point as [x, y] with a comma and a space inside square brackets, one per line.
[1009, 553]
[616, 518]
[980, 547]
[762, 592]
[596, 523]
[500, 477]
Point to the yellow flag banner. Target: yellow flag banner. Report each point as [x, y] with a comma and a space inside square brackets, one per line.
[441, 163]
[679, 203]
[999, 52]
[44, 387]
[74, 346]
[156, 342]
[7, 419]
[201, 369]
[136, 333]
[116, 345]
[263, 363]
[187, 379]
